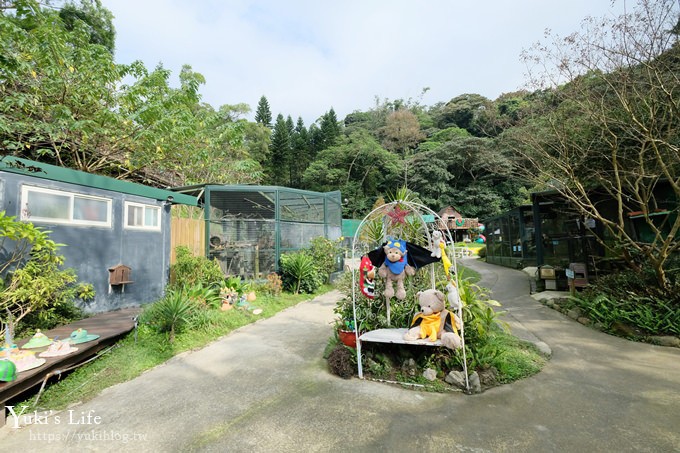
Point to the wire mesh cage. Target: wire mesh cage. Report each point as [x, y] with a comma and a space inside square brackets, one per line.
[249, 227]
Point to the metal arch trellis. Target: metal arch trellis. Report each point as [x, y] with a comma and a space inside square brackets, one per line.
[380, 213]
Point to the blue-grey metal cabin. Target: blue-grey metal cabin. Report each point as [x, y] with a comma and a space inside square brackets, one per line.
[116, 233]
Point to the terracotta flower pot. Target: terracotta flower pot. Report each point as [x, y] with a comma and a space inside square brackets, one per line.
[348, 338]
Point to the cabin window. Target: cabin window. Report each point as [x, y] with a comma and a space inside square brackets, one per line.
[142, 216]
[57, 206]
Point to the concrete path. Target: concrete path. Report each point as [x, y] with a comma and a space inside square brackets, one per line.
[265, 388]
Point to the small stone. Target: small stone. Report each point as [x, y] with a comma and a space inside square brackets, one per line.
[410, 367]
[475, 384]
[550, 304]
[574, 313]
[583, 320]
[665, 340]
[430, 374]
[456, 378]
[543, 348]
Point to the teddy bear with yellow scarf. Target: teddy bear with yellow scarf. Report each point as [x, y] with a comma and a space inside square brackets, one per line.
[434, 321]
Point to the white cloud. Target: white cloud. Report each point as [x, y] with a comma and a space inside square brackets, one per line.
[308, 56]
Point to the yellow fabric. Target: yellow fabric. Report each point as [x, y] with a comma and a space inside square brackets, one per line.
[445, 259]
[429, 326]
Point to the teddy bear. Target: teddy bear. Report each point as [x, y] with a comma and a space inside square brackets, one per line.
[437, 239]
[434, 321]
[395, 268]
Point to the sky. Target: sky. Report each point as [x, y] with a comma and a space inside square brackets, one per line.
[308, 56]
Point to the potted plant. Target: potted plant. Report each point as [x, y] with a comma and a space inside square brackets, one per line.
[347, 333]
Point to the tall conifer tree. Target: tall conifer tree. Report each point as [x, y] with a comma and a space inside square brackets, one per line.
[263, 115]
[280, 150]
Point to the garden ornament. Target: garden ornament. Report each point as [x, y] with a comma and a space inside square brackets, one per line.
[81, 336]
[38, 340]
[8, 371]
[367, 277]
[437, 239]
[434, 321]
[395, 259]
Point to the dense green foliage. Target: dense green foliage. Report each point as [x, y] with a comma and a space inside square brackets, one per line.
[299, 274]
[35, 290]
[633, 300]
[64, 100]
[190, 270]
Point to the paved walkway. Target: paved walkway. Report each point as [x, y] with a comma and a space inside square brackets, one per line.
[265, 388]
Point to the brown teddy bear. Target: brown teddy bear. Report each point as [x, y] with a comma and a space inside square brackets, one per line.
[395, 268]
[434, 321]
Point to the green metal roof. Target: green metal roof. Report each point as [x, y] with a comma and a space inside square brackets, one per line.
[67, 175]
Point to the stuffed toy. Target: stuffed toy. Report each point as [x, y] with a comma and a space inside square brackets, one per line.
[445, 260]
[414, 257]
[452, 296]
[395, 268]
[367, 277]
[434, 321]
[436, 240]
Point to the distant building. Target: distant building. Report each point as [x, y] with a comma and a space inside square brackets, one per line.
[458, 225]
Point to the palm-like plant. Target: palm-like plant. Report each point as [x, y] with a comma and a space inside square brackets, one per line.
[298, 268]
[173, 312]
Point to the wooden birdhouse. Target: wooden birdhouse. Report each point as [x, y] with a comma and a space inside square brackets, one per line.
[120, 275]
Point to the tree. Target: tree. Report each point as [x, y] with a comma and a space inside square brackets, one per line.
[359, 168]
[613, 128]
[97, 20]
[64, 101]
[330, 129]
[472, 173]
[463, 111]
[32, 280]
[301, 153]
[263, 114]
[401, 132]
[280, 149]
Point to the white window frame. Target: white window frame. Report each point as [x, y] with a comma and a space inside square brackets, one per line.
[144, 206]
[69, 220]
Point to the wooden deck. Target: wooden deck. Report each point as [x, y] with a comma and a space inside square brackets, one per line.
[110, 327]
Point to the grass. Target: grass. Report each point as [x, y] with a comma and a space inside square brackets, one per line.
[466, 272]
[519, 359]
[128, 359]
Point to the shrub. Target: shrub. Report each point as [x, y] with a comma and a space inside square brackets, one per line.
[299, 274]
[325, 254]
[189, 270]
[341, 361]
[635, 300]
[274, 284]
[171, 314]
[36, 290]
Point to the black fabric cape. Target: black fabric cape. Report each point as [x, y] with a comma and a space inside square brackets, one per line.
[416, 256]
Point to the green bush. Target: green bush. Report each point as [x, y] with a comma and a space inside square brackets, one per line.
[172, 313]
[299, 274]
[35, 289]
[635, 300]
[325, 254]
[190, 270]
